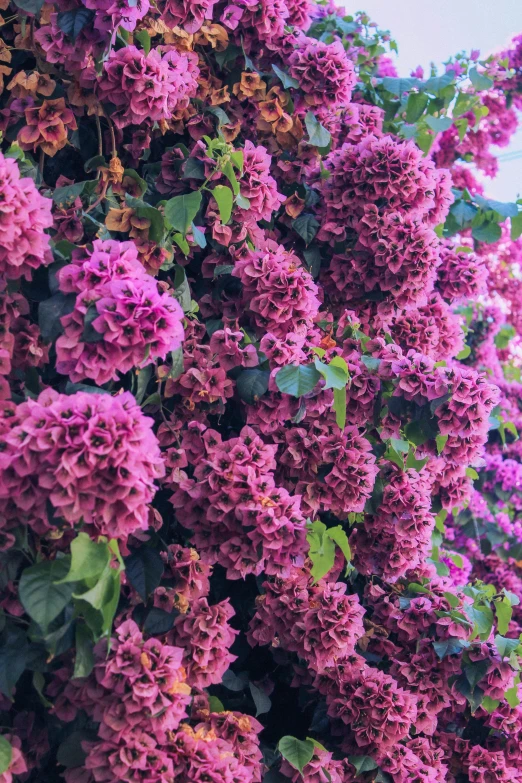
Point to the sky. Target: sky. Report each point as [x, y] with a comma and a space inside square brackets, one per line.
[429, 31]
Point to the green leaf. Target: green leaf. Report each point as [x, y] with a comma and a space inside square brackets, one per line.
[88, 559]
[436, 84]
[339, 406]
[504, 612]
[439, 124]
[413, 463]
[13, 656]
[225, 200]
[489, 704]
[242, 202]
[176, 358]
[516, 226]
[464, 353]
[475, 672]
[451, 646]
[71, 753]
[51, 311]
[370, 363]
[318, 135]
[180, 211]
[479, 80]
[65, 196]
[222, 116]
[398, 86]
[417, 102]
[261, 699]
[338, 535]
[335, 374]
[321, 550]
[6, 754]
[362, 764]
[441, 441]
[474, 695]
[504, 336]
[306, 226]
[228, 171]
[482, 619]
[512, 697]
[98, 605]
[215, 705]
[297, 380]
[193, 169]
[463, 212]
[462, 126]
[144, 38]
[158, 621]
[505, 646]
[199, 236]
[238, 159]
[72, 22]
[251, 384]
[145, 211]
[298, 753]
[286, 79]
[41, 597]
[487, 232]
[144, 569]
[181, 242]
[472, 473]
[84, 661]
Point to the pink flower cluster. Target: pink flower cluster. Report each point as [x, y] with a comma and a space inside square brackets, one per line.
[257, 185]
[24, 217]
[378, 170]
[147, 88]
[119, 320]
[206, 637]
[93, 457]
[277, 289]
[239, 517]
[325, 74]
[318, 622]
[397, 537]
[461, 275]
[343, 461]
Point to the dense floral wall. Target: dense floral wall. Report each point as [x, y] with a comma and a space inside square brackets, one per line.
[260, 383]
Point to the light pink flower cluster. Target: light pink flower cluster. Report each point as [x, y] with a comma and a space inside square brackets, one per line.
[240, 518]
[278, 290]
[147, 88]
[319, 621]
[93, 457]
[325, 74]
[24, 216]
[119, 320]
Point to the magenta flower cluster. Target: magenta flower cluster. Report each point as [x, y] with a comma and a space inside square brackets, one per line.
[120, 320]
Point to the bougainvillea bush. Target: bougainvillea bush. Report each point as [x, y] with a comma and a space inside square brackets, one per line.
[260, 393]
